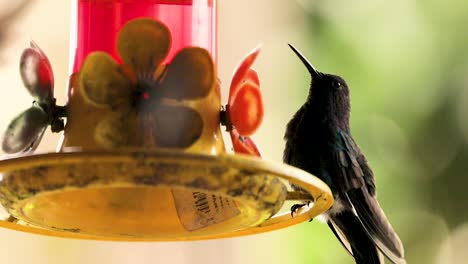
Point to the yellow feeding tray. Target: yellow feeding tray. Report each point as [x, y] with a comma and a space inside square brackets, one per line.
[151, 195]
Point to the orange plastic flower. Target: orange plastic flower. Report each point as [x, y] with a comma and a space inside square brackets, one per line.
[145, 95]
[245, 106]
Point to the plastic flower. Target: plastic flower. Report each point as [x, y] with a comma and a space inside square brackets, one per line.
[145, 96]
[244, 111]
[25, 131]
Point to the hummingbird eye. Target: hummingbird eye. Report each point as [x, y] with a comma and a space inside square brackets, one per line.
[336, 84]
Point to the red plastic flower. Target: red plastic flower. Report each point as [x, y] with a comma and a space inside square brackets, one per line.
[25, 131]
[244, 111]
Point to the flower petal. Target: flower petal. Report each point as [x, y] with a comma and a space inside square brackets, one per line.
[190, 75]
[176, 126]
[242, 71]
[243, 145]
[36, 73]
[252, 76]
[103, 82]
[246, 110]
[118, 130]
[25, 131]
[143, 44]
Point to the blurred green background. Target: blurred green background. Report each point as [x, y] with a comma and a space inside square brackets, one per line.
[406, 62]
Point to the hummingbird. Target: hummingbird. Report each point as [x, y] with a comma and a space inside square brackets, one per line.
[319, 141]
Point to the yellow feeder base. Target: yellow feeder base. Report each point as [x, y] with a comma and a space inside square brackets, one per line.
[151, 195]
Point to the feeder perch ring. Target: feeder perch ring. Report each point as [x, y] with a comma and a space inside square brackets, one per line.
[118, 195]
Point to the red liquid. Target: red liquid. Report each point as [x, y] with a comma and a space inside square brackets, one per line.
[191, 22]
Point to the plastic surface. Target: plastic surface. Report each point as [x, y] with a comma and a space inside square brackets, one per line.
[97, 22]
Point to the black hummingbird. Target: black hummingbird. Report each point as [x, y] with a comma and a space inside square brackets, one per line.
[319, 141]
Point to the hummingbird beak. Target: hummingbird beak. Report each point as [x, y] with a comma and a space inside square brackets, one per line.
[309, 66]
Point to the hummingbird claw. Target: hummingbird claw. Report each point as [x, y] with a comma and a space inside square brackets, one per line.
[295, 208]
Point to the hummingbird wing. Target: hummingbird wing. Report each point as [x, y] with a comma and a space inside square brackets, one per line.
[359, 190]
[352, 166]
[373, 219]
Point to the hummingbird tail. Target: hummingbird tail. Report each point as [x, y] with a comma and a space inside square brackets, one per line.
[354, 238]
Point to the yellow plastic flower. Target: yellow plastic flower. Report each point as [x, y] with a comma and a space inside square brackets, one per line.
[143, 94]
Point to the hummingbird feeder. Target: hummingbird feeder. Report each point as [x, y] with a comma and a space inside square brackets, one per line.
[142, 156]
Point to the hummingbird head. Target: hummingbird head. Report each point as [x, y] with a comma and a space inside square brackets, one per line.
[328, 92]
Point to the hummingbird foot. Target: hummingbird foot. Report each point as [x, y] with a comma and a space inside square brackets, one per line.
[296, 207]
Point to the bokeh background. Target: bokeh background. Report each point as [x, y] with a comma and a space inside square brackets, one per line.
[406, 62]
